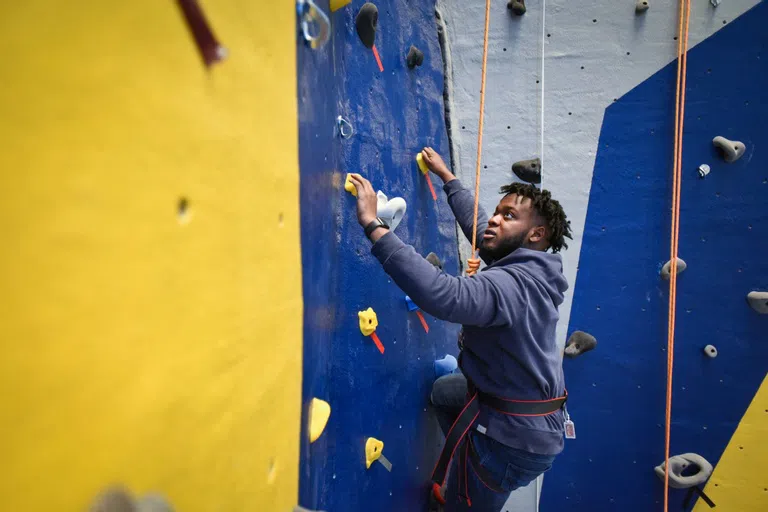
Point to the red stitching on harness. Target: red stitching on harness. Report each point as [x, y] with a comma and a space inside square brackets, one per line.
[460, 438]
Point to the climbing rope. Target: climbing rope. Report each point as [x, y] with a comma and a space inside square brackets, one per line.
[682, 62]
[473, 263]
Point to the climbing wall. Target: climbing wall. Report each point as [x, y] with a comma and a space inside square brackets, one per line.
[618, 390]
[393, 114]
[554, 75]
[150, 276]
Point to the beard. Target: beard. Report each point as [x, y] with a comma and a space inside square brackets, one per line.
[502, 248]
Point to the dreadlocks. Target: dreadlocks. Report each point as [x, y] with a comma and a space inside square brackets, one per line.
[558, 226]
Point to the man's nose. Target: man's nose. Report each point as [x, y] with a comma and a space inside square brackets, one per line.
[494, 221]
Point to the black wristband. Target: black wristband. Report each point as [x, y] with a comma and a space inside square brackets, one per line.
[375, 223]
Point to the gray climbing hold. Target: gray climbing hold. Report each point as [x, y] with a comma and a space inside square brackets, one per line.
[153, 503]
[641, 6]
[703, 170]
[731, 150]
[666, 269]
[115, 499]
[415, 57]
[517, 6]
[366, 22]
[758, 301]
[579, 343]
[714, 3]
[680, 463]
[528, 170]
[710, 351]
[433, 259]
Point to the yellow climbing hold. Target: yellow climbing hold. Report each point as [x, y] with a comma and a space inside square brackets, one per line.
[368, 321]
[338, 4]
[319, 412]
[373, 449]
[421, 163]
[350, 187]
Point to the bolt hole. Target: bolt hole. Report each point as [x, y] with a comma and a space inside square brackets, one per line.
[537, 81]
[182, 210]
[675, 38]
[509, 127]
[549, 35]
[628, 53]
[463, 127]
[582, 67]
[505, 49]
[485, 167]
[594, 21]
[570, 113]
[725, 21]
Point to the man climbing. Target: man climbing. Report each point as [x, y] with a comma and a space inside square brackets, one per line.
[504, 416]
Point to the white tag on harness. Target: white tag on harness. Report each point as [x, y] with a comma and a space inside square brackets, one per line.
[570, 429]
[481, 429]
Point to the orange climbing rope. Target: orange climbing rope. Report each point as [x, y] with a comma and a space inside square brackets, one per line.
[473, 263]
[682, 62]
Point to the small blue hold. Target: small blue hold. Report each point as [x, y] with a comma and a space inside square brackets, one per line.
[411, 305]
[446, 365]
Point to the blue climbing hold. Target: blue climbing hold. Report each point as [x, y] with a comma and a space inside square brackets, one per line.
[446, 365]
[411, 305]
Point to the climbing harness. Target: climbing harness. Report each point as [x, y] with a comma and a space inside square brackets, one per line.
[473, 263]
[682, 61]
[455, 440]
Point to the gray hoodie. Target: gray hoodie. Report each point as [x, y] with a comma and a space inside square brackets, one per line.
[508, 312]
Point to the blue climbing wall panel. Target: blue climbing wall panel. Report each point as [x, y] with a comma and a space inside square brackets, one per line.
[618, 391]
[394, 114]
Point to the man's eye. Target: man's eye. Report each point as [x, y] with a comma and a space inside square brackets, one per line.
[509, 215]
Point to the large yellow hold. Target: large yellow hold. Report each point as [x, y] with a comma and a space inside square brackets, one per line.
[140, 346]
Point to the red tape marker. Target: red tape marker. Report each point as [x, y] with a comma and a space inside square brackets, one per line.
[431, 188]
[378, 59]
[377, 341]
[423, 321]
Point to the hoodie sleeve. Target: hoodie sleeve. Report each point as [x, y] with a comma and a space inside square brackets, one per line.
[462, 203]
[485, 300]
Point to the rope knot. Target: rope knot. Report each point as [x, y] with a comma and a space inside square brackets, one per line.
[473, 265]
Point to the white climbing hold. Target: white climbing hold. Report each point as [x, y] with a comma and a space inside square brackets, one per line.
[731, 150]
[579, 343]
[714, 3]
[703, 170]
[390, 210]
[758, 301]
[710, 351]
[666, 269]
[678, 463]
[641, 6]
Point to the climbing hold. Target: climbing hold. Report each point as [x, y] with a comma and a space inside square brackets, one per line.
[703, 170]
[758, 301]
[446, 365]
[373, 449]
[368, 321]
[345, 127]
[528, 170]
[114, 500]
[422, 164]
[641, 6]
[714, 3]
[425, 171]
[516, 6]
[415, 57]
[350, 187]
[710, 351]
[666, 269]
[731, 150]
[411, 305]
[433, 259]
[579, 343]
[338, 4]
[680, 463]
[319, 412]
[368, 324]
[153, 503]
[390, 210]
[366, 22]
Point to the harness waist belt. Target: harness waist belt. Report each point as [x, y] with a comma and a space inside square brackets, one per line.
[467, 418]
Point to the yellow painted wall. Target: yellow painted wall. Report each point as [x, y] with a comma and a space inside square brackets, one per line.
[740, 480]
[136, 348]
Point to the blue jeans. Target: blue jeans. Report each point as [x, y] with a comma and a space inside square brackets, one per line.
[509, 468]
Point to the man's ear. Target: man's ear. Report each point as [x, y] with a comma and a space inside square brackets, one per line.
[537, 234]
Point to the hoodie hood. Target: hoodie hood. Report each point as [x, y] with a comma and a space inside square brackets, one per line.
[544, 267]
